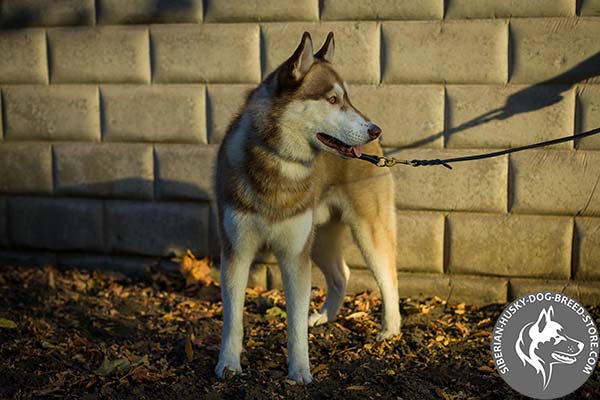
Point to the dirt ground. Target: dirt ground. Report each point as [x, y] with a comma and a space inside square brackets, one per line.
[87, 335]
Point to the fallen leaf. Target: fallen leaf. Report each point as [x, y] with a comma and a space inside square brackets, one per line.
[275, 312]
[195, 271]
[109, 368]
[464, 331]
[357, 315]
[7, 323]
[484, 322]
[356, 387]
[189, 350]
[319, 368]
[442, 394]
[51, 277]
[485, 368]
[253, 343]
[143, 374]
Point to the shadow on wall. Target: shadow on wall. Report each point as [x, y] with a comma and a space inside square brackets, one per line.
[14, 16]
[532, 98]
[117, 217]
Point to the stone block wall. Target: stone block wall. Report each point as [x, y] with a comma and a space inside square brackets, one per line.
[112, 113]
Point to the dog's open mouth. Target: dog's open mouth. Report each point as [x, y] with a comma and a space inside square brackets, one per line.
[339, 146]
[563, 358]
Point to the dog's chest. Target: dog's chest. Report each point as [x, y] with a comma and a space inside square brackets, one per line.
[288, 235]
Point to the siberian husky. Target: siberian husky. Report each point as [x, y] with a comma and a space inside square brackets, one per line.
[287, 180]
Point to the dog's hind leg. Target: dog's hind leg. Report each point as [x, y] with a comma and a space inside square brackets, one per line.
[376, 238]
[327, 254]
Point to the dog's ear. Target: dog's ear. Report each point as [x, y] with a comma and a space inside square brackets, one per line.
[544, 318]
[327, 50]
[302, 59]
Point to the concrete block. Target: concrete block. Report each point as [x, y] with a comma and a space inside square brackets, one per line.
[153, 113]
[409, 115]
[356, 47]
[257, 274]
[588, 115]
[422, 286]
[128, 265]
[118, 12]
[107, 170]
[519, 115]
[3, 223]
[587, 293]
[555, 182]
[261, 10]
[586, 257]
[557, 49]
[184, 171]
[221, 53]
[100, 54]
[24, 56]
[589, 8]
[55, 223]
[23, 13]
[344, 10]
[509, 245]
[507, 8]
[445, 52]
[519, 287]
[257, 277]
[224, 103]
[26, 168]
[454, 288]
[475, 186]
[29, 258]
[55, 112]
[157, 229]
[420, 241]
[477, 290]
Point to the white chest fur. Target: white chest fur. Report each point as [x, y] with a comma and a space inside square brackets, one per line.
[253, 231]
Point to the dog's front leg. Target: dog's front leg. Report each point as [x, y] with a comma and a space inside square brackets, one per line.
[296, 281]
[234, 277]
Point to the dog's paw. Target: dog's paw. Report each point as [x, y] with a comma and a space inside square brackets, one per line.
[317, 319]
[227, 368]
[301, 376]
[387, 334]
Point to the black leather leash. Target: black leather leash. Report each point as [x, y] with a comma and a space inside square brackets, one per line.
[391, 161]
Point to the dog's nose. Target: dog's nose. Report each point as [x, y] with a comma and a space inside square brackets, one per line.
[374, 131]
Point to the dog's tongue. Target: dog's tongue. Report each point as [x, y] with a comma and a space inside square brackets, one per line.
[356, 151]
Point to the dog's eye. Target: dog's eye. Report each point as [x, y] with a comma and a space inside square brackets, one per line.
[332, 99]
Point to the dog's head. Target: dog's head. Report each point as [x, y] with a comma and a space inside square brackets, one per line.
[544, 343]
[317, 104]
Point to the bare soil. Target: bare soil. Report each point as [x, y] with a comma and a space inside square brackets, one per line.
[99, 335]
